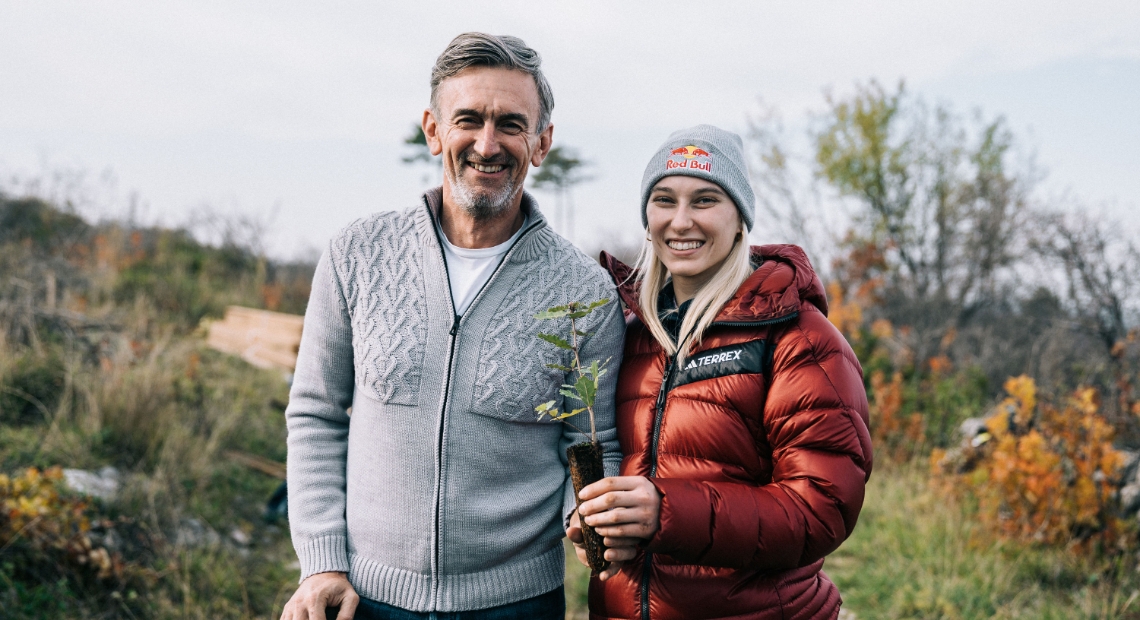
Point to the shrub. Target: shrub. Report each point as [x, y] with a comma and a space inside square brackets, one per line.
[1046, 471]
[38, 224]
[30, 388]
[47, 539]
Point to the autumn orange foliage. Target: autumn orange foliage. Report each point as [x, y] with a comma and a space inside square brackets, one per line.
[846, 315]
[885, 405]
[1046, 472]
[1043, 472]
[896, 436]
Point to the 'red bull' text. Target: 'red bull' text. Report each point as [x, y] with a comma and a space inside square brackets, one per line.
[689, 163]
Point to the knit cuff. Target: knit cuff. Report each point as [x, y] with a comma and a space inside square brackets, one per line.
[569, 503]
[323, 555]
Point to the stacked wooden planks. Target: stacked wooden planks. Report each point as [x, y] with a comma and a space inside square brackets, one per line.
[262, 338]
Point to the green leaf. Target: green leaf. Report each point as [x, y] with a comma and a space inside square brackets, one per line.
[603, 366]
[571, 394]
[553, 313]
[586, 389]
[547, 409]
[598, 304]
[582, 334]
[556, 341]
[574, 310]
[560, 367]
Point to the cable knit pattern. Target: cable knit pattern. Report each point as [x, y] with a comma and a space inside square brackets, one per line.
[508, 381]
[389, 323]
[441, 492]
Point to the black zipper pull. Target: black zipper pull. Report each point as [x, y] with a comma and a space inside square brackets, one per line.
[455, 325]
[664, 385]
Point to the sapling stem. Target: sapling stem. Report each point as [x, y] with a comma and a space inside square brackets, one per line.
[585, 378]
[585, 459]
[578, 368]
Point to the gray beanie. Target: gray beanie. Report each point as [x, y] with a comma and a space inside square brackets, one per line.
[707, 152]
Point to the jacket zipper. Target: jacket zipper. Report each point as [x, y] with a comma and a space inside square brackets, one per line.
[452, 338]
[659, 414]
[658, 418]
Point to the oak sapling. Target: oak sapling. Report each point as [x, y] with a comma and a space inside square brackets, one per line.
[585, 458]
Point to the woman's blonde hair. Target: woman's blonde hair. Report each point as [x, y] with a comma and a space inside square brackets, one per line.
[706, 304]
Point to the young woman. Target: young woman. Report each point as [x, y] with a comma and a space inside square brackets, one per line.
[741, 411]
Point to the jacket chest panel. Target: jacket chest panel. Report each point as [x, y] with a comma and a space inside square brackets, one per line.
[640, 375]
[712, 424]
[511, 376]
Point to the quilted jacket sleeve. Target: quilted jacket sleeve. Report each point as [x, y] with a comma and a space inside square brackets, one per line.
[815, 418]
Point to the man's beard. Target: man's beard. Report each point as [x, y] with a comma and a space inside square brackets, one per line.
[482, 204]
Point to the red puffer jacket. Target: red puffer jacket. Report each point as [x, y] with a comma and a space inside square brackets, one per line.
[759, 447]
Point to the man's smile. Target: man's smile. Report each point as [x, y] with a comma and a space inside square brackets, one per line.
[487, 168]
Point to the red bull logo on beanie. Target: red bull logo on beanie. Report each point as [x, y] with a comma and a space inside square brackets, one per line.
[690, 157]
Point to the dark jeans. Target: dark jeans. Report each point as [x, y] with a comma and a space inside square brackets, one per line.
[549, 606]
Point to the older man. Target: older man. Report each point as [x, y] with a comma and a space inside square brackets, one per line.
[441, 495]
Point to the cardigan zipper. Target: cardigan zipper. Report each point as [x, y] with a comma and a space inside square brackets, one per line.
[457, 319]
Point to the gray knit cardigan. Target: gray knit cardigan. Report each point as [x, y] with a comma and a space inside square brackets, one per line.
[441, 491]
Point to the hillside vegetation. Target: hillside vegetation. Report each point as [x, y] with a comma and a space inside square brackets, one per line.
[102, 364]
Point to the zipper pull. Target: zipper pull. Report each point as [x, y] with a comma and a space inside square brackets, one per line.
[664, 385]
[455, 325]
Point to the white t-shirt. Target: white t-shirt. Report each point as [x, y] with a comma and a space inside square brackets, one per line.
[468, 269]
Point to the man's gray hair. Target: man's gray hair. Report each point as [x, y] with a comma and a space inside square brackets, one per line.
[476, 49]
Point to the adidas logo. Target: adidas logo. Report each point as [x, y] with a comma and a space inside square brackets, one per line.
[727, 356]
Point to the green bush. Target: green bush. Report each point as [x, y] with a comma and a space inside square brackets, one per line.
[186, 280]
[30, 388]
[44, 227]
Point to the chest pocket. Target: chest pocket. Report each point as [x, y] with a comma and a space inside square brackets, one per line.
[752, 357]
[511, 372]
[389, 333]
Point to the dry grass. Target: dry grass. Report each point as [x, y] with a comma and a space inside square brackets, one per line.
[919, 554]
[163, 411]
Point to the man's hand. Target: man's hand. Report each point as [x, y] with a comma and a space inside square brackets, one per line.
[319, 591]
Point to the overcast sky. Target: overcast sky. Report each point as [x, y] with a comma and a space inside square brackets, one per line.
[299, 109]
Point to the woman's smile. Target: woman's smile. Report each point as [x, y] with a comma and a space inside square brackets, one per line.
[678, 245]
